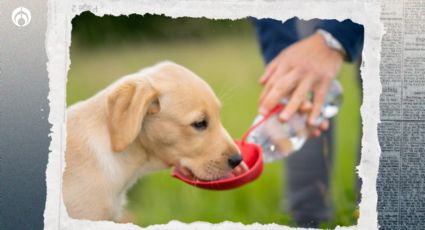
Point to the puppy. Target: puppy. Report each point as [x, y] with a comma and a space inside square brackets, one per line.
[161, 117]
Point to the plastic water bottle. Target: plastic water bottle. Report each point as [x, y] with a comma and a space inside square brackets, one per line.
[279, 140]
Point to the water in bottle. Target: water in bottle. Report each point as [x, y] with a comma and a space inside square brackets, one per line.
[277, 139]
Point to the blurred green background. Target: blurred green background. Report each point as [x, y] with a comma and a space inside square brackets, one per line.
[226, 55]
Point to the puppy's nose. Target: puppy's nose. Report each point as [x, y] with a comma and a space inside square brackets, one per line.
[234, 160]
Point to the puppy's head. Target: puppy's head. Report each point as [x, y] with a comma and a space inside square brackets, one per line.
[174, 115]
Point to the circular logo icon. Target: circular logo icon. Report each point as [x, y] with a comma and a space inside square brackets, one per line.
[21, 16]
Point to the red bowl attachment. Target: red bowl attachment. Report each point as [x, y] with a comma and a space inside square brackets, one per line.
[252, 156]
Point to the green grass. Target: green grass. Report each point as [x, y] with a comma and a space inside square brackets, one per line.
[232, 67]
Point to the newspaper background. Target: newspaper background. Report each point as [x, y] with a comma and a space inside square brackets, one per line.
[58, 40]
[401, 179]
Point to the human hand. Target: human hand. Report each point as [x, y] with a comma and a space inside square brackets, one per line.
[306, 66]
[316, 129]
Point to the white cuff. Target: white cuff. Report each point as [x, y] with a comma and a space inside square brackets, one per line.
[331, 41]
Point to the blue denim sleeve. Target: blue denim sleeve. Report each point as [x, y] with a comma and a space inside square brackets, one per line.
[348, 33]
[274, 36]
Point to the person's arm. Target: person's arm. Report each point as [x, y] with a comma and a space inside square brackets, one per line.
[350, 35]
[274, 36]
[307, 65]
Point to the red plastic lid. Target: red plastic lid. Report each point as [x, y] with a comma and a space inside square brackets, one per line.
[252, 156]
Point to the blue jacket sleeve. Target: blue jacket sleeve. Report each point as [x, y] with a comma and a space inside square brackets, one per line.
[274, 36]
[348, 33]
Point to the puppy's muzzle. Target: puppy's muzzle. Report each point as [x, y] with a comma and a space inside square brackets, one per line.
[234, 160]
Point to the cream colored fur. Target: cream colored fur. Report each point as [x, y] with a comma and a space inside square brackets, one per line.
[141, 123]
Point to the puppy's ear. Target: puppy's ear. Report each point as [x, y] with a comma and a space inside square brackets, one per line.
[127, 106]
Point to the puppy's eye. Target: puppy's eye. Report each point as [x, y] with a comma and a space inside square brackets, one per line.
[200, 125]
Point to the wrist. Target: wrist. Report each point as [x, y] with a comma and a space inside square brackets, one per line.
[331, 42]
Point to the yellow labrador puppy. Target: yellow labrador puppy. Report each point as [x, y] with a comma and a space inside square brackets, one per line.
[160, 117]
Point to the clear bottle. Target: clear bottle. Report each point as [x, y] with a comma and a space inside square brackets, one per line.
[279, 140]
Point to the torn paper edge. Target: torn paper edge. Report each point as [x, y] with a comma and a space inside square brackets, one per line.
[58, 41]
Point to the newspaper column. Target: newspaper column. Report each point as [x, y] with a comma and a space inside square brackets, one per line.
[401, 178]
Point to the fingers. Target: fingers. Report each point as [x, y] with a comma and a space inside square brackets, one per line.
[306, 106]
[318, 131]
[272, 75]
[276, 90]
[325, 125]
[298, 97]
[270, 69]
[278, 63]
[265, 91]
[319, 98]
[315, 133]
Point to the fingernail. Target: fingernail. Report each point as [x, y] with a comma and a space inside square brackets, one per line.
[316, 122]
[284, 116]
[263, 111]
[326, 127]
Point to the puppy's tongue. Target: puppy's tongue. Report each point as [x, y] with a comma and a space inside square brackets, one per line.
[186, 172]
[238, 170]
